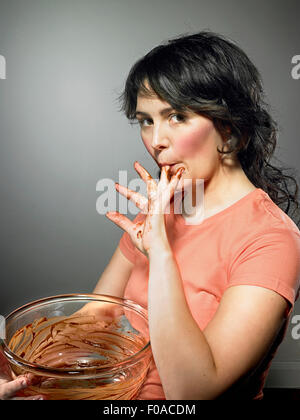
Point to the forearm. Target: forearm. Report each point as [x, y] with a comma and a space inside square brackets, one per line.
[115, 277]
[107, 287]
[181, 352]
[112, 282]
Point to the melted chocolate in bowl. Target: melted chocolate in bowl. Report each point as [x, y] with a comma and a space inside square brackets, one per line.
[83, 356]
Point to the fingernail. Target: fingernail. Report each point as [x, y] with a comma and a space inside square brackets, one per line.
[180, 171]
[24, 383]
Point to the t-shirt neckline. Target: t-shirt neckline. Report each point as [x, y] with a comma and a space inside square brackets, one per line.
[180, 221]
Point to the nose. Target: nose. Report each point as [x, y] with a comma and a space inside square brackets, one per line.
[159, 137]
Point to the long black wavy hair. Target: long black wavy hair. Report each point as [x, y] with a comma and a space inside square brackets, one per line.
[211, 75]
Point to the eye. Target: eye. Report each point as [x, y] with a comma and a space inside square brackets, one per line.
[178, 118]
[145, 122]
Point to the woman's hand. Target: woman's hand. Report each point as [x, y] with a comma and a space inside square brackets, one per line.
[9, 386]
[148, 233]
[101, 311]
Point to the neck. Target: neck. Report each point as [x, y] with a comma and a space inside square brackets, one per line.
[228, 184]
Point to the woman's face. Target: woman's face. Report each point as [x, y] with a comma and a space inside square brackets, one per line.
[180, 139]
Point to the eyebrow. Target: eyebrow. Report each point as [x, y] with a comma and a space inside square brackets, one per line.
[162, 112]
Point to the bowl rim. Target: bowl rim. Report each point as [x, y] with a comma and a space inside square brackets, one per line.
[80, 373]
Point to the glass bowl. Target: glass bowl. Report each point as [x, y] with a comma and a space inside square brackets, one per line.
[80, 346]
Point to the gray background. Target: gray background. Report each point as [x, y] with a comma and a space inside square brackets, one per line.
[61, 130]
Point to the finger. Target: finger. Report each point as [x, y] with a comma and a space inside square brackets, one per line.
[144, 174]
[9, 389]
[178, 174]
[169, 192]
[165, 174]
[151, 184]
[175, 179]
[33, 397]
[139, 200]
[120, 220]
[32, 379]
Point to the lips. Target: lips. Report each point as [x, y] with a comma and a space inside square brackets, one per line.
[173, 166]
[166, 164]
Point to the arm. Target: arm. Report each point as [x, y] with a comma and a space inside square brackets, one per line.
[206, 363]
[112, 282]
[115, 276]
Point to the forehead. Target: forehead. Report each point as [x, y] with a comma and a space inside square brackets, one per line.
[151, 102]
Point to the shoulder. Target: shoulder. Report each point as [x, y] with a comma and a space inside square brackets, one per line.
[267, 252]
[261, 218]
[266, 231]
[274, 213]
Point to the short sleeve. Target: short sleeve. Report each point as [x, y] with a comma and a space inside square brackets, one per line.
[126, 246]
[271, 260]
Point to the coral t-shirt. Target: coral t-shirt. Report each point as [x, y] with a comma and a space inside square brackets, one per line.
[251, 242]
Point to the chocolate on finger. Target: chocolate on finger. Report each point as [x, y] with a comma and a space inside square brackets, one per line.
[144, 174]
[139, 200]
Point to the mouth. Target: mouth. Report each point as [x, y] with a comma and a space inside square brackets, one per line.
[173, 166]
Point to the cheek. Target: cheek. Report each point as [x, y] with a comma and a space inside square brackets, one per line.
[195, 141]
[147, 145]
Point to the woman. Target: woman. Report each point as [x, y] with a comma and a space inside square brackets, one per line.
[220, 291]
